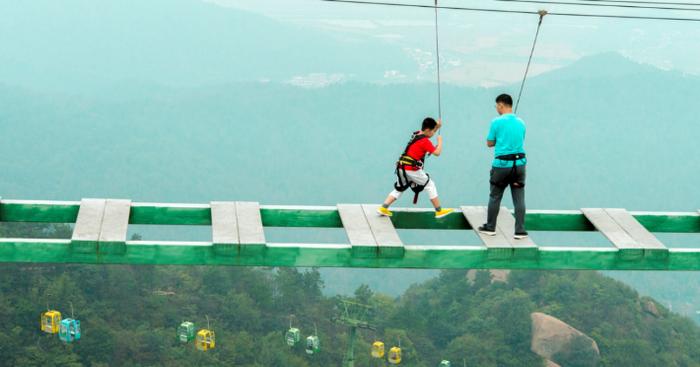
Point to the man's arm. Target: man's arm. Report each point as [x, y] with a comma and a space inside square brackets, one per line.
[491, 137]
[438, 148]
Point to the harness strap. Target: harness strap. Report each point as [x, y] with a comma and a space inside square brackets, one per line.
[406, 159]
[402, 182]
[512, 176]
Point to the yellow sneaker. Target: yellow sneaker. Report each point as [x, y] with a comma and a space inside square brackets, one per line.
[384, 211]
[443, 213]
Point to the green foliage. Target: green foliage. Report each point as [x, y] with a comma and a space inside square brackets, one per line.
[578, 353]
[130, 314]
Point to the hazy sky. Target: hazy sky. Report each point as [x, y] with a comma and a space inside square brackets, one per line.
[487, 48]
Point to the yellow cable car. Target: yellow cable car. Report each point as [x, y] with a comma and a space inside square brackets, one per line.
[50, 321]
[378, 350]
[206, 339]
[395, 355]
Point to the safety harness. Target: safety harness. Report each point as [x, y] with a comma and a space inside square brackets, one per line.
[512, 178]
[402, 182]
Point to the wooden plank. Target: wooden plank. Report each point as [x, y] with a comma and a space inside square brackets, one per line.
[498, 246]
[356, 225]
[641, 235]
[604, 223]
[224, 227]
[388, 240]
[251, 234]
[358, 230]
[506, 225]
[86, 233]
[476, 216]
[327, 217]
[115, 225]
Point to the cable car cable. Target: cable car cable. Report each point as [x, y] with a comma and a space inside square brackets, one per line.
[640, 2]
[542, 13]
[599, 5]
[509, 11]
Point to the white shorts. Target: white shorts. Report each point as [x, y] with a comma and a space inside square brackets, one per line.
[420, 178]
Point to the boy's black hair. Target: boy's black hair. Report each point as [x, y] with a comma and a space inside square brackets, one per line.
[505, 99]
[429, 123]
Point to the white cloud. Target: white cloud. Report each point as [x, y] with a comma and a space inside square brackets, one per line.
[316, 80]
[394, 75]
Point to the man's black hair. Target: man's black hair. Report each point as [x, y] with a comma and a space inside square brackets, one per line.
[429, 123]
[505, 99]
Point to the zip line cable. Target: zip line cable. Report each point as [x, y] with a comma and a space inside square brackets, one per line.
[437, 53]
[640, 2]
[582, 15]
[542, 13]
[599, 5]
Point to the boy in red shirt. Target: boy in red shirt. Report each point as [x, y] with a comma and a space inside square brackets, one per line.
[409, 169]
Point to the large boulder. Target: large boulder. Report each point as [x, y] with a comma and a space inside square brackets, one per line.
[558, 341]
[649, 306]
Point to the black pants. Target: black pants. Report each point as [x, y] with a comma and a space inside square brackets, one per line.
[518, 193]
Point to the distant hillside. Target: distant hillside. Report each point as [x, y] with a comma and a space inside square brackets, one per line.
[170, 42]
[604, 132]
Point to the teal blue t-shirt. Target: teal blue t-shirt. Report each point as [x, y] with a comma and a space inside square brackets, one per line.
[508, 131]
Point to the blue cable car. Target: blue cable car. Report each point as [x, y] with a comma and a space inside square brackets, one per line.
[69, 330]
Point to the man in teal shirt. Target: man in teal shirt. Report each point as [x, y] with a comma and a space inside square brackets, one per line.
[506, 136]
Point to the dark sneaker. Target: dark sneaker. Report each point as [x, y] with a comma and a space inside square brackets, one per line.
[487, 231]
[520, 235]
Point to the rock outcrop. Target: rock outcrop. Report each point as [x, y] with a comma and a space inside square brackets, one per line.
[649, 306]
[552, 337]
[496, 275]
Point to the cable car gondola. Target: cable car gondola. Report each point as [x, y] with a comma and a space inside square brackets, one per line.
[445, 363]
[50, 321]
[69, 330]
[378, 350]
[395, 355]
[186, 332]
[206, 339]
[293, 335]
[313, 343]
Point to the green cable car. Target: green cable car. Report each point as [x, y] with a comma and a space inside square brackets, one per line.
[313, 345]
[293, 336]
[186, 332]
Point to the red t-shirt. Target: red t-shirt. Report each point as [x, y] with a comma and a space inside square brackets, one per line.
[418, 151]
